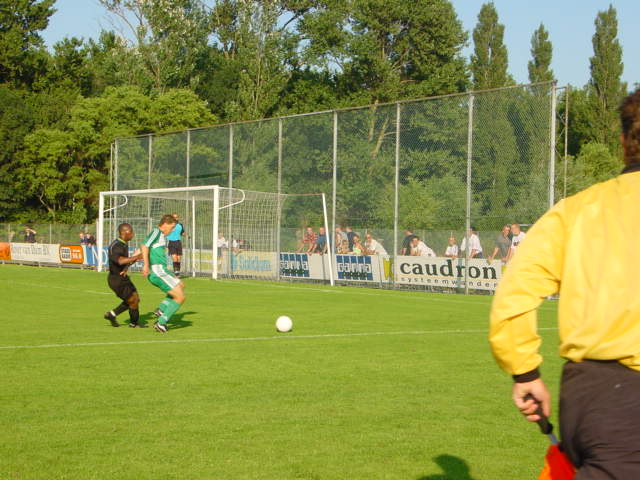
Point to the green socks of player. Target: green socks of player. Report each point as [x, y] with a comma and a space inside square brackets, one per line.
[170, 307]
[165, 303]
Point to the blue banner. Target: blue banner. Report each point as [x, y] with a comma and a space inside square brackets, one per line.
[294, 265]
[354, 267]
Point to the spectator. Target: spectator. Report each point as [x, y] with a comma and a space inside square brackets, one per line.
[518, 236]
[320, 245]
[222, 243]
[29, 234]
[503, 244]
[235, 245]
[83, 238]
[586, 247]
[372, 246]
[344, 248]
[452, 248]
[91, 240]
[308, 241]
[420, 249]
[350, 236]
[406, 242]
[341, 234]
[357, 248]
[475, 249]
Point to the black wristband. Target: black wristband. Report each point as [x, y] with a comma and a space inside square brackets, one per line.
[527, 377]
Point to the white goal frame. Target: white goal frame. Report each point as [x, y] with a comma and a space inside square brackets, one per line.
[215, 199]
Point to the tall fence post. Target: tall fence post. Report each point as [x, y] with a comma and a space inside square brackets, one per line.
[229, 197]
[149, 221]
[279, 211]
[566, 137]
[115, 167]
[467, 250]
[188, 157]
[552, 148]
[335, 175]
[396, 199]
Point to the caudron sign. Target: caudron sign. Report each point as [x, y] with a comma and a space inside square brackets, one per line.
[447, 272]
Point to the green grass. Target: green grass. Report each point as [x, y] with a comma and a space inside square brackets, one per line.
[370, 385]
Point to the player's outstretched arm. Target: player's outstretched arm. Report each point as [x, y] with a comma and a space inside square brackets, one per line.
[145, 259]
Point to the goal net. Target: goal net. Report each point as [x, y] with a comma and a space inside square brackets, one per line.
[228, 232]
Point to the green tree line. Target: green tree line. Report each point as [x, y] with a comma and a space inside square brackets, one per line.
[176, 64]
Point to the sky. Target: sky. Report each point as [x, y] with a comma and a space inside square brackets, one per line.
[570, 24]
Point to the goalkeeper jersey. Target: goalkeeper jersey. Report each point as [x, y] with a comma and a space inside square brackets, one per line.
[157, 244]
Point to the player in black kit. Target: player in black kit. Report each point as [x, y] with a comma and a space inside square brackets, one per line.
[119, 281]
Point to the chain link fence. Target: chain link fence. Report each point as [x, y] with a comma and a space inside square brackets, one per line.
[436, 167]
[54, 233]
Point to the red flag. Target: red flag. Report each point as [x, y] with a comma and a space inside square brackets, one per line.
[556, 465]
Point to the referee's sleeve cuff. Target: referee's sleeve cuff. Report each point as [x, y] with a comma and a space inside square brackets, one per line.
[527, 377]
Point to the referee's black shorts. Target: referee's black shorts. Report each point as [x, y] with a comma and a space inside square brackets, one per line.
[175, 247]
[600, 419]
[122, 286]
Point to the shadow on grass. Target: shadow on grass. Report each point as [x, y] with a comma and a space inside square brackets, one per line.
[453, 468]
[176, 322]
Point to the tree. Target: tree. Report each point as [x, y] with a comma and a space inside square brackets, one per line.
[259, 54]
[21, 47]
[489, 61]
[388, 50]
[541, 53]
[606, 88]
[16, 121]
[170, 36]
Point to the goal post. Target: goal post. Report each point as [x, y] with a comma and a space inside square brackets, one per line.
[229, 232]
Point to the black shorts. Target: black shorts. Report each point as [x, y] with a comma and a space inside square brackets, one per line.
[123, 287]
[175, 247]
[600, 418]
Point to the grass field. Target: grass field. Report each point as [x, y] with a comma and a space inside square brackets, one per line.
[370, 384]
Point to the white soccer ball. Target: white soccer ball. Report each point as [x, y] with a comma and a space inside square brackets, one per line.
[284, 324]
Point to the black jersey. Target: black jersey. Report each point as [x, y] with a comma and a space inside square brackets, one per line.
[117, 249]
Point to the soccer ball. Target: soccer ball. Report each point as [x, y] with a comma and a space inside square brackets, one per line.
[284, 324]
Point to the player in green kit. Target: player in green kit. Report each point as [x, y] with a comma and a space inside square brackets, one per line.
[155, 269]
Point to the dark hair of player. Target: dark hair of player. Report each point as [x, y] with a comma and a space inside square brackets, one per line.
[123, 227]
[630, 118]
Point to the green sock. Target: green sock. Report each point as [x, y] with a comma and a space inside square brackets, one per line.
[168, 312]
[165, 303]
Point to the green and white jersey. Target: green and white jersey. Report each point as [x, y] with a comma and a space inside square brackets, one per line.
[157, 244]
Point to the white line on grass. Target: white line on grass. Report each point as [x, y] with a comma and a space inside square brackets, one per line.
[374, 293]
[41, 285]
[252, 339]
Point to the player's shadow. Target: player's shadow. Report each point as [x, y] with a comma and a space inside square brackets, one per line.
[176, 322]
[453, 468]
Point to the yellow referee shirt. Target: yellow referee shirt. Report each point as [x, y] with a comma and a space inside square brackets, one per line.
[587, 247]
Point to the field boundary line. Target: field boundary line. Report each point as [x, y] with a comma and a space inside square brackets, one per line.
[252, 339]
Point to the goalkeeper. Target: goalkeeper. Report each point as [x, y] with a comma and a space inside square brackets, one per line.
[155, 269]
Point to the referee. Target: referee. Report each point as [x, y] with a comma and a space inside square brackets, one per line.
[586, 248]
[175, 244]
[119, 281]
